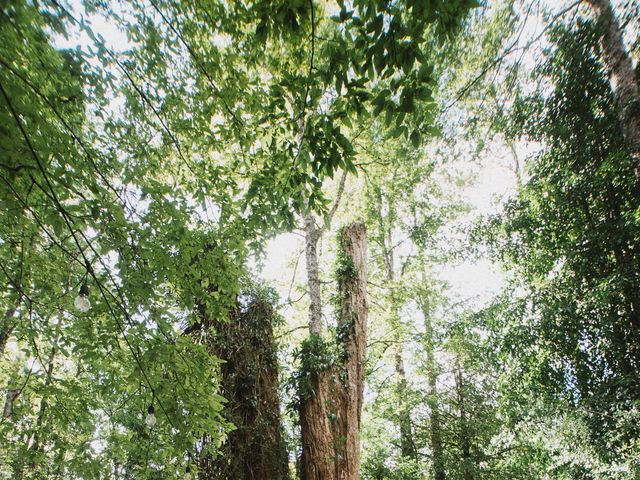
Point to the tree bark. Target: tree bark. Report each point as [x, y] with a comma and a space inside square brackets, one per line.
[407, 445]
[622, 76]
[330, 412]
[464, 438]
[12, 394]
[255, 449]
[6, 331]
[435, 430]
[354, 310]
[8, 324]
[312, 236]
[317, 407]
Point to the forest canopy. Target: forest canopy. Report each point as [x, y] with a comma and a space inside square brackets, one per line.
[318, 240]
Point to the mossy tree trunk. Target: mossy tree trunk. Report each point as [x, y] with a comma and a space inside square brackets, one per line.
[255, 449]
[330, 410]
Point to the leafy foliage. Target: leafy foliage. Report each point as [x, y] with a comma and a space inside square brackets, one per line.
[571, 237]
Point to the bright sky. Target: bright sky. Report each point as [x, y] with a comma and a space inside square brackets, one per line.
[468, 279]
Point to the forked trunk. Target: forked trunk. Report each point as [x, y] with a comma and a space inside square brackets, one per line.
[331, 408]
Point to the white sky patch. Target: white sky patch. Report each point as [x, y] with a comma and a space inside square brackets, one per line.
[475, 281]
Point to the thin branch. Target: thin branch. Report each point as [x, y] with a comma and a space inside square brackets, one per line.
[336, 202]
[508, 51]
[311, 55]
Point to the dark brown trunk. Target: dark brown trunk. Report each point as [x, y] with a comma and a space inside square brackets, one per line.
[255, 449]
[317, 418]
[330, 411]
[622, 76]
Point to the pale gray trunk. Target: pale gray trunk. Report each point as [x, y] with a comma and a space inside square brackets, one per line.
[622, 76]
[8, 324]
[312, 237]
[464, 434]
[435, 430]
[517, 171]
[407, 448]
[12, 394]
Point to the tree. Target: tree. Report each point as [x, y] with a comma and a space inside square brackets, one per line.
[623, 78]
[331, 386]
[426, 303]
[569, 237]
[255, 447]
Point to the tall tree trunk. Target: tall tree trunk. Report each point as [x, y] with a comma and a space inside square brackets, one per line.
[435, 430]
[407, 445]
[354, 310]
[255, 448]
[331, 409]
[464, 438]
[622, 76]
[8, 324]
[317, 406]
[312, 236]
